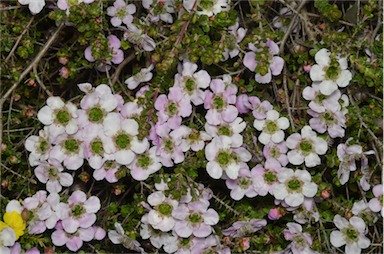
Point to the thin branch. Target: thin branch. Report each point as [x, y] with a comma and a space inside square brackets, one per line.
[291, 25]
[285, 84]
[40, 82]
[370, 132]
[119, 68]
[27, 70]
[379, 24]
[19, 39]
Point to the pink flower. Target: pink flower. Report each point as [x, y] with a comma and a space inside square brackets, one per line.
[264, 62]
[301, 242]
[277, 152]
[51, 174]
[195, 218]
[376, 203]
[160, 216]
[319, 101]
[69, 150]
[332, 121]
[192, 82]
[144, 165]
[220, 102]
[115, 51]
[73, 241]
[173, 107]
[79, 212]
[243, 185]
[266, 176]
[243, 228]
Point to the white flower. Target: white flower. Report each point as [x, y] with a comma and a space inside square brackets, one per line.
[39, 146]
[121, 13]
[330, 72]
[208, 8]
[222, 157]
[124, 143]
[59, 116]
[35, 6]
[7, 238]
[231, 130]
[144, 75]
[190, 138]
[294, 186]
[306, 147]
[192, 82]
[351, 233]
[271, 127]
[118, 236]
[160, 217]
[145, 164]
[70, 150]
[136, 36]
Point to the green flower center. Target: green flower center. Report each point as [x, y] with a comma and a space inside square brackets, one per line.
[184, 242]
[121, 13]
[43, 146]
[168, 145]
[351, 234]
[244, 182]
[223, 158]
[144, 161]
[270, 127]
[77, 210]
[165, 209]
[109, 165]
[123, 141]
[328, 117]
[52, 173]
[172, 109]
[194, 135]
[306, 146]
[195, 218]
[95, 115]
[218, 103]
[224, 131]
[274, 152]
[71, 145]
[270, 177]
[63, 117]
[190, 85]
[97, 147]
[294, 185]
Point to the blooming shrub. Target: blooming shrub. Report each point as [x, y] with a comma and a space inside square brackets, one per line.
[191, 126]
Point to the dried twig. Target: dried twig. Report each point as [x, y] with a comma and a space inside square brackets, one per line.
[291, 25]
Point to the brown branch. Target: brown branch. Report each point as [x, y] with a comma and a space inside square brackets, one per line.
[119, 68]
[290, 27]
[41, 82]
[27, 70]
[19, 39]
[285, 84]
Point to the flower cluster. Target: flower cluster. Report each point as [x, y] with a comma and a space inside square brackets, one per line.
[175, 225]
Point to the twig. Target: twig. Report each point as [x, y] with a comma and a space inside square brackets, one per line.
[370, 132]
[285, 84]
[119, 68]
[40, 82]
[38, 57]
[19, 39]
[379, 24]
[322, 229]
[290, 27]
[17, 174]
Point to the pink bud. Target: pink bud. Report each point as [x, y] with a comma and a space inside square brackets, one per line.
[244, 243]
[63, 60]
[64, 72]
[275, 214]
[307, 68]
